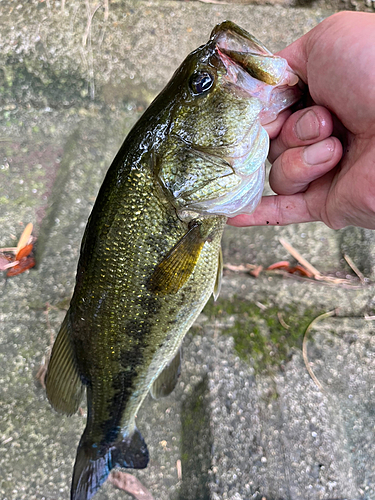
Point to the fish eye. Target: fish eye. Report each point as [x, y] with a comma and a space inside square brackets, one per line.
[200, 83]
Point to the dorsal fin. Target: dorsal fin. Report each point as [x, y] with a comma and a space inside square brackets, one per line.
[63, 383]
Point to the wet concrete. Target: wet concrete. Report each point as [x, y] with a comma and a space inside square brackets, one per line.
[246, 420]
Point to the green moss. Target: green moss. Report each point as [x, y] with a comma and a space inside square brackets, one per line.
[260, 337]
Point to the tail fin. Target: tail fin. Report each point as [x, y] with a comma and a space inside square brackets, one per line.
[94, 464]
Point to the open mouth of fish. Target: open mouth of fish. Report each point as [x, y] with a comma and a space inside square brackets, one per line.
[252, 71]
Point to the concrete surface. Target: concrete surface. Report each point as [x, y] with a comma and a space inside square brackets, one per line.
[246, 419]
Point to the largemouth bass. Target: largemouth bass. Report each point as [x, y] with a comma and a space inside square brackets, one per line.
[150, 256]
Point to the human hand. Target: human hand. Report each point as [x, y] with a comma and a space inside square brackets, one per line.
[337, 61]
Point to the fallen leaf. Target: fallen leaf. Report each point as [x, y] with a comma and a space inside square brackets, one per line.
[256, 271]
[24, 251]
[25, 237]
[300, 269]
[129, 483]
[282, 264]
[17, 260]
[6, 262]
[23, 265]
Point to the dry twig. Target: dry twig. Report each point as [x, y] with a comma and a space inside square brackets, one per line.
[300, 259]
[179, 469]
[304, 345]
[261, 306]
[90, 17]
[281, 319]
[247, 268]
[315, 273]
[355, 268]
[231, 267]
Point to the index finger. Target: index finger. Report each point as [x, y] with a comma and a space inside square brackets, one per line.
[276, 210]
[297, 56]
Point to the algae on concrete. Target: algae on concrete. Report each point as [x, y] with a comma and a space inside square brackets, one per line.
[263, 335]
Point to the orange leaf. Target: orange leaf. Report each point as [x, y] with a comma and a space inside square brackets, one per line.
[282, 264]
[302, 270]
[25, 264]
[24, 251]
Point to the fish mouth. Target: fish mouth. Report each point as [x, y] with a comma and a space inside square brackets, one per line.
[253, 70]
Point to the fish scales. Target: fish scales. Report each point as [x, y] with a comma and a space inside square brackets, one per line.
[150, 256]
[121, 319]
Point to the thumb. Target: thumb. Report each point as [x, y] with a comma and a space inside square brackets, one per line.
[297, 57]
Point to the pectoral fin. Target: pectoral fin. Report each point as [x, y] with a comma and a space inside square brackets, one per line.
[63, 383]
[176, 267]
[167, 380]
[219, 275]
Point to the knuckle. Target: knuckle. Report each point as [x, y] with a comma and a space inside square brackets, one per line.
[331, 215]
[279, 211]
[286, 176]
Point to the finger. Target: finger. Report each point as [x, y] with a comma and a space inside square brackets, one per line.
[276, 211]
[351, 198]
[303, 127]
[297, 55]
[296, 168]
[280, 210]
[273, 128]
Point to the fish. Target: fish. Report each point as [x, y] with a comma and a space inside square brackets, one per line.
[151, 253]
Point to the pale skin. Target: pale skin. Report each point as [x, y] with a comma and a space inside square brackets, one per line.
[323, 156]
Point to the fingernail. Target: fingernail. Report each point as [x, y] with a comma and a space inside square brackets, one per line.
[321, 152]
[307, 127]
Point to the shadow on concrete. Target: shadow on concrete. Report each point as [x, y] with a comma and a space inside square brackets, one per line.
[196, 444]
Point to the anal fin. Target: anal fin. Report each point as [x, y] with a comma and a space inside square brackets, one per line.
[63, 384]
[167, 380]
